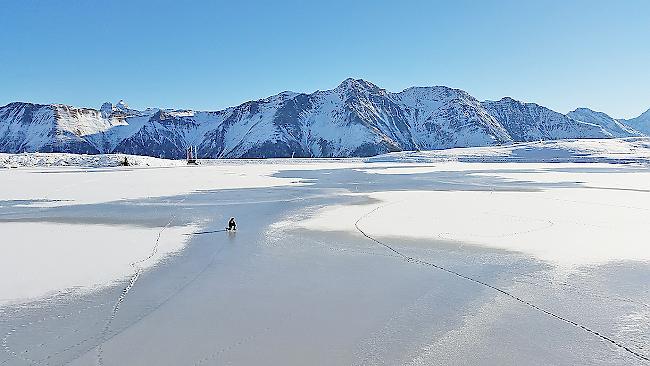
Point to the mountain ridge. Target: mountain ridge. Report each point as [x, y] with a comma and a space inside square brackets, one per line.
[640, 123]
[357, 118]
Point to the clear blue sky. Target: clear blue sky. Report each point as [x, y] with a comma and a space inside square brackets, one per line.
[214, 54]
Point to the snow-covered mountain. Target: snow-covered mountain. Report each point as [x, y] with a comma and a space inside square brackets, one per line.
[640, 123]
[53, 128]
[532, 122]
[608, 124]
[357, 118]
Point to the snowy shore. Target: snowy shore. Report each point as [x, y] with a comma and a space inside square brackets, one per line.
[621, 150]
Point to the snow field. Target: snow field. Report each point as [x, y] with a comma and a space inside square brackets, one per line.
[603, 218]
[42, 258]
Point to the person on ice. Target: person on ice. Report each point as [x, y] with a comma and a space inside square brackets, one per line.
[232, 225]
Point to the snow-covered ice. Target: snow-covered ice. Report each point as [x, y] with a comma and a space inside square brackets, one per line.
[589, 218]
[39, 259]
[64, 186]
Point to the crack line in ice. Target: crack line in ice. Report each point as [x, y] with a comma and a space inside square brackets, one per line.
[132, 282]
[565, 286]
[166, 300]
[103, 335]
[410, 259]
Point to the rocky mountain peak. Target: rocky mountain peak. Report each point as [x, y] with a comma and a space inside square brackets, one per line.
[106, 109]
[358, 85]
[122, 106]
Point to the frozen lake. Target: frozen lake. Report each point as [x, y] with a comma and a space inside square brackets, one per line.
[334, 263]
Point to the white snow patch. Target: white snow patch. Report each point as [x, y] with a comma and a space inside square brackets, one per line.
[634, 149]
[59, 186]
[83, 257]
[566, 226]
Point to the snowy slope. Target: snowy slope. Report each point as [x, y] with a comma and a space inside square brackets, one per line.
[164, 134]
[47, 128]
[442, 117]
[615, 150]
[640, 123]
[613, 127]
[57, 128]
[357, 118]
[532, 122]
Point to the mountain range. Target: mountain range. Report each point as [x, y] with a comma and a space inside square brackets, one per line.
[357, 118]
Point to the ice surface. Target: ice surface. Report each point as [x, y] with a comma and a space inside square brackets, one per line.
[298, 284]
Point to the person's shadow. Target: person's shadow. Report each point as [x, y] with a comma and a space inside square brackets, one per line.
[232, 234]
